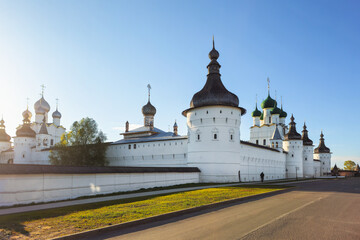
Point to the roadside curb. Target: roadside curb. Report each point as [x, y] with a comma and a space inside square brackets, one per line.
[121, 226]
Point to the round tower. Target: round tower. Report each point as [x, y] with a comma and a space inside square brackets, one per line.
[24, 141]
[323, 154]
[293, 144]
[308, 160]
[213, 122]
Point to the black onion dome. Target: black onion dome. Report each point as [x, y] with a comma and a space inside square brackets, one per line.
[306, 140]
[214, 92]
[322, 148]
[25, 130]
[256, 112]
[275, 110]
[283, 114]
[148, 109]
[292, 134]
[4, 137]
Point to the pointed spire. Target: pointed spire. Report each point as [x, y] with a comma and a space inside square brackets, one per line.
[276, 134]
[213, 42]
[149, 88]
[268, 81]
[175, 128]
[43, 129]
[306, 140]
[322, 147]
[292, 134]
[42, 89]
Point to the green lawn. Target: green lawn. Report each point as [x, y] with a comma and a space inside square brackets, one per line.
[62, 221]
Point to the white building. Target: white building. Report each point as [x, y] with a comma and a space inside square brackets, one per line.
[212, 144]
[34, 139]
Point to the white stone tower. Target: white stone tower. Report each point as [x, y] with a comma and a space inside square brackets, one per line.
[276, 140]
[42, 138]
[308, 160]
[213, 122]
[323, 154]
[294, 146]
[24, 141]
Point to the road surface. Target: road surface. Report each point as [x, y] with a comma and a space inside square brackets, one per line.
[328, 209]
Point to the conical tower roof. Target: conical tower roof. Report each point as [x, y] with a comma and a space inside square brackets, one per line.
[322, 148]
[214, 92]
[292, 134]
[306, 140]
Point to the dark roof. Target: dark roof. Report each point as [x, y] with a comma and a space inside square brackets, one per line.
[306, 140]
[25, 131]
[258, 146]
[322, 148]
[292, 134]
[41, 169]
[214, 92]
[317, 160]
[43, 129]
[276, 135]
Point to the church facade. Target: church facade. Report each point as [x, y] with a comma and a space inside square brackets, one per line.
[212, 144]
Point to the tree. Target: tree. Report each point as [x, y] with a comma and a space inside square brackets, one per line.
[349, 165]
[83, 145]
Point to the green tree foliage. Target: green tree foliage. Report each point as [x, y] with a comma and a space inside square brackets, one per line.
[349, 165]
[83, 145]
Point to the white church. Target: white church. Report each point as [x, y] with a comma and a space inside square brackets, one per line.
[212, 144]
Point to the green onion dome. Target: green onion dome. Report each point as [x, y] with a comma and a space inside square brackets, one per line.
[283, 114]
[256, 112]
[268, 103]
[275, 110]
[262, 116]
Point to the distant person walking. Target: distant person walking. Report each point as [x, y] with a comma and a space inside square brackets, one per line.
[262, 176]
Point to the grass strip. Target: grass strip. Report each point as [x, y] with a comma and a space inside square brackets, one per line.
[52, 223]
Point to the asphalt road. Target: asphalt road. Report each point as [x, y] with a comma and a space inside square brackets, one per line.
[328, 209]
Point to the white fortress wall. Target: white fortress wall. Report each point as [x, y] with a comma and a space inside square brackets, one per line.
[155, 153]
[22, 188]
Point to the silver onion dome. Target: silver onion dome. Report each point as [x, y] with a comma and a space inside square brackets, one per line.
[41, 105]
[148, 109]
[56, 114]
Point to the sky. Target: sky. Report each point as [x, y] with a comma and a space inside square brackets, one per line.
[97, 58]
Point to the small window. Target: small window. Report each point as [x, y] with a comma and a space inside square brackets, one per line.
[207, 112]
[213, 119]
[231, 137]
[264, 141]
[305, 159]
[226, 120]
[231, 112]
[52, 142]
[292, 155]
[200, 120]
[269, 119]
[129, 146]
[272, 145]
[198, 136]
[277, 144]
[220, 111]
[257, 142]
[215, 136]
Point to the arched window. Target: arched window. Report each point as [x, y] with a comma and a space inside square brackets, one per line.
[264, 142]
[272, 145]
[213, 119]
[257, 142]
[277, 144]
[215, 136]
[198, 137]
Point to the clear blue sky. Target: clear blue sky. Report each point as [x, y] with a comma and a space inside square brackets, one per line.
[98, 56]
